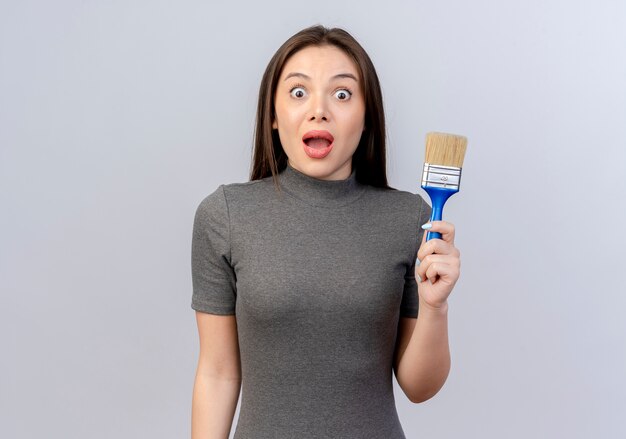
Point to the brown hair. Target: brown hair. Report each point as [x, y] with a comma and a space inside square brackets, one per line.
[369, 158]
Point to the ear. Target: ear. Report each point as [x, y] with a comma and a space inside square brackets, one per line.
[274, 125]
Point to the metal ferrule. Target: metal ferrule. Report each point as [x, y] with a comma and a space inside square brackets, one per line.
[448, 177]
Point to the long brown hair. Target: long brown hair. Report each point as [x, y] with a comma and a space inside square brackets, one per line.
[369, 159]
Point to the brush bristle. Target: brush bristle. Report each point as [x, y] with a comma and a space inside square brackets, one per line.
[445, 149]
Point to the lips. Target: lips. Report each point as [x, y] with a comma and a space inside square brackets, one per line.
[317, 144]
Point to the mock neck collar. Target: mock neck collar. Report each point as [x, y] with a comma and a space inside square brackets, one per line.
[322, 193]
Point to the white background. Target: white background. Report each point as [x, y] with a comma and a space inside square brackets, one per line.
[118, 117]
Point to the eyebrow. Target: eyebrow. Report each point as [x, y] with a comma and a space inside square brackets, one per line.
[340, 75]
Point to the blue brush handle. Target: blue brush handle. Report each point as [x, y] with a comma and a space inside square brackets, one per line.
[438, 197]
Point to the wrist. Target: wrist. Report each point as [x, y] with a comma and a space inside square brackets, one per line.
[433, 310]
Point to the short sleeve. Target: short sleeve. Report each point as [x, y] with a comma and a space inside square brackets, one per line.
[410, 301]
[213, 278]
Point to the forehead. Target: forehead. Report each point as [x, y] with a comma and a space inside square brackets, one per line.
[320, 61]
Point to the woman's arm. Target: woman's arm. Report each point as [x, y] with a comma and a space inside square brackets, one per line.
[422, 357]
[422, 360]
[218, 377]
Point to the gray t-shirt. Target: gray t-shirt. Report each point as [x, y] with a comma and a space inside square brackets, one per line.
[317, 275]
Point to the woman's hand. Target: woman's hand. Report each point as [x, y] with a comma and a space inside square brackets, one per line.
[439, 266]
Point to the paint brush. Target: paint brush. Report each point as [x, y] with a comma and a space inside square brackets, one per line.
[442, 171]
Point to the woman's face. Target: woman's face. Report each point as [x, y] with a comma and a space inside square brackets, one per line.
[318, 96]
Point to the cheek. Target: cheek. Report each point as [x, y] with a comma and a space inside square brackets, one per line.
[354, 122]
[287, 118]
[287, 129]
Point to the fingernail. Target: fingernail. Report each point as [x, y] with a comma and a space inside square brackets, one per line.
[427, 226]
[419, 279]
[417, 262]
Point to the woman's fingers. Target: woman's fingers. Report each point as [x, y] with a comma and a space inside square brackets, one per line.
[444, 227]
[439, 271]
[434, 265]
[438, 257]
[436, 246]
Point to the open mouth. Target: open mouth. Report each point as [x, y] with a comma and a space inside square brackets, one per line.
[317, 144]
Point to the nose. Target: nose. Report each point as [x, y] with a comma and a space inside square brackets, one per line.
[319, 110]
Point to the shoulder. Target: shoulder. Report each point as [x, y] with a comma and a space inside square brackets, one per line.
[246, 191]
[398, 209]
[229, 195]
[396, 199]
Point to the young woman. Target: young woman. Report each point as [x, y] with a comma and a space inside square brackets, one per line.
[304, 278]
